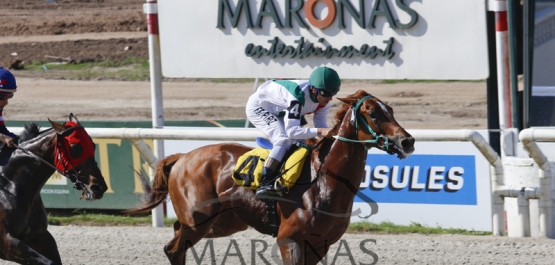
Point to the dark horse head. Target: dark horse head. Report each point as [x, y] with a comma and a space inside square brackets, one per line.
[66, 148]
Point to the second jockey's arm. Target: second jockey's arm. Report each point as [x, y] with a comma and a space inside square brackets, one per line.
[8, 140]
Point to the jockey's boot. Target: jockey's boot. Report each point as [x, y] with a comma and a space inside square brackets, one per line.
[266, 187]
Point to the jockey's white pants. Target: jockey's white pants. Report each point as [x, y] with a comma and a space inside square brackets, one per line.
[272, 126]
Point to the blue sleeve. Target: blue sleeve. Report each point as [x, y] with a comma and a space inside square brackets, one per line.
[3, 128]
[5, 131]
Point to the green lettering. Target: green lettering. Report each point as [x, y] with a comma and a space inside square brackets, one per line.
[358, 16]
[388, 53]
[272, 12]
[303, 49]
[413, 15]
[293, 12]
[378, 11]
[242, 6]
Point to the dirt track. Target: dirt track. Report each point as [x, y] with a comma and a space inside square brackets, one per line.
[454, 105]
[143, 245]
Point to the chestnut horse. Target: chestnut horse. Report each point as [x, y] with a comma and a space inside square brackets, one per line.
[312, 215]
[67, 148]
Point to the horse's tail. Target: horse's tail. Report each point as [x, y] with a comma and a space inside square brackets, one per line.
[156, 194]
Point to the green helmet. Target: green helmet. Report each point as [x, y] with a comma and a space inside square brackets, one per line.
[325, 79]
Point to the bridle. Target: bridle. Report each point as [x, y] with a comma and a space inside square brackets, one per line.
[355, 117]
[71, 173]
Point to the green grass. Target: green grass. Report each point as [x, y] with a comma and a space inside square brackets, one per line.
[101, 219]
[426, 81]
[390, 228]
[115, 218]
[130, 69]
[133, 69]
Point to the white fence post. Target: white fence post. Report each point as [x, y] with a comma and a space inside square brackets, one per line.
[529, 137]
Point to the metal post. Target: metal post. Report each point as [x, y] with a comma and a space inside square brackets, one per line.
[528, 47]
[502, 51]
[151, 9]
[511, 19]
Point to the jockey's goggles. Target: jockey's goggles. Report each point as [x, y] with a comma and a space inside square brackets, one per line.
[327, 94]
[6, 96]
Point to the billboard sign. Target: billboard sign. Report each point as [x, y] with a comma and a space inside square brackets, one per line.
[366, 39]
[421, 179]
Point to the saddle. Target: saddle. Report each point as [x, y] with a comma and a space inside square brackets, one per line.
[248, 171]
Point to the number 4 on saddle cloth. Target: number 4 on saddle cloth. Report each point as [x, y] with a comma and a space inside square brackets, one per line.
[248, 170]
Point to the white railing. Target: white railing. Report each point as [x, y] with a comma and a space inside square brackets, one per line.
[498, 190]
[236, 134]
[529, 139]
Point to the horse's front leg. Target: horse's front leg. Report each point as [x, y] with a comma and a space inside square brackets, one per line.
[17, 251]
[39, 237]
[45, 244]
[302, 252]
[290, 252]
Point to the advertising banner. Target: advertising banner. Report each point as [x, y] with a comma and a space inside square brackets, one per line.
[421, 179]
[118, 161]
[444, 184]
[366, 39]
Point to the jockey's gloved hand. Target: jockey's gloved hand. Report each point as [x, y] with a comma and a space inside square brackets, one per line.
[325, 132]
[10, 141]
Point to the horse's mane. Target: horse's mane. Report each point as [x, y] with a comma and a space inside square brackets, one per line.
[30, 131]
[340, 114]
[347, 103]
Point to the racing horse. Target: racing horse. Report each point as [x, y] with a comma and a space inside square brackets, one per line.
[314, 214]
[66, 148]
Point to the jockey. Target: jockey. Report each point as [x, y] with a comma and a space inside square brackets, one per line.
[7, 89]
[277, 108]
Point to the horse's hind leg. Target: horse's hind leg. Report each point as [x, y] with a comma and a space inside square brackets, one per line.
[228, 223]
[196, 211]
[184, 238]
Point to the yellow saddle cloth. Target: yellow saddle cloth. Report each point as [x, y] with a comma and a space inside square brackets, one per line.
[248, 170]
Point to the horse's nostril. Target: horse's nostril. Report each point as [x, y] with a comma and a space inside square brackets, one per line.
[407, 142]
[96, 189]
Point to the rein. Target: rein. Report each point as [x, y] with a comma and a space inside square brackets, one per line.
[72, 176]
[355, 116]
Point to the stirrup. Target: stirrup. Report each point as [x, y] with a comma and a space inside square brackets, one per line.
[280, 188]
[264, 193]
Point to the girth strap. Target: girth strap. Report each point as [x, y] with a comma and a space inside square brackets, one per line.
[271, 209]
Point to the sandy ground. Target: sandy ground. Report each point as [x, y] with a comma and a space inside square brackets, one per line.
[143, 245]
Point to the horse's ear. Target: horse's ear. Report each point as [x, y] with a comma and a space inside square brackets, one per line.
[350, 101]
[353, 99]
[57, 126]
[73, 118]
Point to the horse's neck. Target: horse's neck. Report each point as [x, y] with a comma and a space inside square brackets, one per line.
[29, 168]
[343, 167]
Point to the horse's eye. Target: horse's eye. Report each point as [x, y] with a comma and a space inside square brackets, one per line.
[76, 150]
[372, 114]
